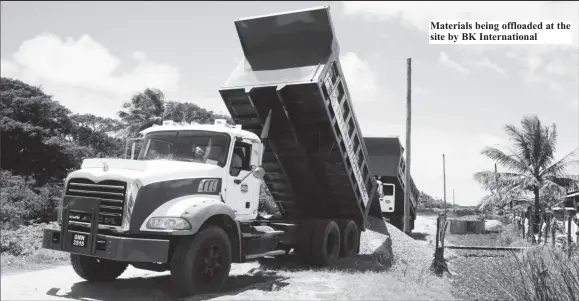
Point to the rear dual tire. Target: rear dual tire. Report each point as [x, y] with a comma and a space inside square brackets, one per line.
[350, 238]
[322, 242]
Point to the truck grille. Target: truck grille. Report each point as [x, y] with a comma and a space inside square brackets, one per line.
[111, 193]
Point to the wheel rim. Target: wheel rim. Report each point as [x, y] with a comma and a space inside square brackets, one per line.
[209, 263]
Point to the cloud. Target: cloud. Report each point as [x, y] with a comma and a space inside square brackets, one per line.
[485, 62]
[445, 60]
[557, 67]
[361, 79]
[416, 15]
[83, 74]
[8, 68]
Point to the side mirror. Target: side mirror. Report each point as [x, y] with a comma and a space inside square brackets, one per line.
[133, 150]
[256, 153]
[258, 172]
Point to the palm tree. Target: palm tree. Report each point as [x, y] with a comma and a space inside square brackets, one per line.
[531, 164]
[144, 110]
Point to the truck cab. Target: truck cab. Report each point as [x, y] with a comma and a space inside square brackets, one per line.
[387, 196]
[225, 153]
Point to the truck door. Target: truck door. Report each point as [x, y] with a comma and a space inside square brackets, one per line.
[242, 197]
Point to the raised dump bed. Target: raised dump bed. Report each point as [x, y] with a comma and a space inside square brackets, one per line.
[315, 159]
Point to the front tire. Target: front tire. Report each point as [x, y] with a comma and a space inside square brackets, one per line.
[94, 269]
[201, 263]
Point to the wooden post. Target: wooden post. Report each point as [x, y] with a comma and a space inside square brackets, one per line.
[547, 227]
[444, 182]
[407, 186]
[497, 183]
[541, 220]
[569, 240]
[453, 205]
[523, 216]
[437, 231]
[532, 224]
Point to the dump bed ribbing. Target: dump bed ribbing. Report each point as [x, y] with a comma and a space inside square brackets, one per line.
[315, 158]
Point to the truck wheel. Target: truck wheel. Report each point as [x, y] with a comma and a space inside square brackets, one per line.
[325, 243]
[349, 239]
[96, 269]
[201, 263]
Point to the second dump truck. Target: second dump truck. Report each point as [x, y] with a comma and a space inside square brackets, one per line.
[188, 201]
[388, 167]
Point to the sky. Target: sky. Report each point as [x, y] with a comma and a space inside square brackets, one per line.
[91, 56]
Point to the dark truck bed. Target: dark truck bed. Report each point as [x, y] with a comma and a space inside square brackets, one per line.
[315, 159]
[385, 156]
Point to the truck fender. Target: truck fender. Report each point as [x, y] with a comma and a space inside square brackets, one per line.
[199, 210]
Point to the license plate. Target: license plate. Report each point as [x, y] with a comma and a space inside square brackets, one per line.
[79, 240]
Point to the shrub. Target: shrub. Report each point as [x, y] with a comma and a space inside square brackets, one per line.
[266, 202]
[464, 212]
[542, 273]
[25, 240]
[24, 202]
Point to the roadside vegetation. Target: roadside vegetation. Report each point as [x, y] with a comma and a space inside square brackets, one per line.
[541, 272]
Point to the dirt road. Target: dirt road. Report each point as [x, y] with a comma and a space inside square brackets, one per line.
[63, 284]
[264, 280]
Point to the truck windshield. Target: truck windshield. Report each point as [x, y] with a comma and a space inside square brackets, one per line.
[190, 146]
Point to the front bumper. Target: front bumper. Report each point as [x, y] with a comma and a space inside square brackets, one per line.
[108, 247]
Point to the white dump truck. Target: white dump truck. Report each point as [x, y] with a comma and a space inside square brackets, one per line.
[188, 201]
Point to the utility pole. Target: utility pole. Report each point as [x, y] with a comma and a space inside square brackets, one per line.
[453, 205]
[408, 124]
[444, 182]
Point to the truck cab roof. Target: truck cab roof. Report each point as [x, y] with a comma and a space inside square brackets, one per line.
[217, 127]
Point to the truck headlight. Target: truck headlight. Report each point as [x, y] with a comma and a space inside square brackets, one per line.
[168, 223]
[208, 186]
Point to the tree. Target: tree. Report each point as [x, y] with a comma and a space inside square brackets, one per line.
[94, 132]
[97, 124]
[190, 112]
[531, 164]
[34, 130]
[144, 110]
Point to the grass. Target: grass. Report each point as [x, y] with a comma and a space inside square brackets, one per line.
[541, 273]
[21, 249]
[39, 259]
